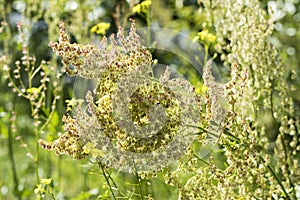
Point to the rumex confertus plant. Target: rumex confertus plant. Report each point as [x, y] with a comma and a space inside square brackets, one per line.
[129, 110]
[240, 150]
[109, 66]
[258, 87]
[253, 166]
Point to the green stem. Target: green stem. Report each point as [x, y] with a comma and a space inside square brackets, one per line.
[106, 179]
[148, 21]
[206, 47]
[37, 156]
[52, 195]
[204, 130]
[286, 161]
[228, 133]
[204, 161]
[50, 115]
[59, 166]
[112, 180]
[281, 139]
[13, 164]
[138, 179]
[270, 168]
[51, 192]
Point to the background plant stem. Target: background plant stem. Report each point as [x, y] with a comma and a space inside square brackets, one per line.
[13, 164]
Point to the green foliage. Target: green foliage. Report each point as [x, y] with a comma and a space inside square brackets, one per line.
[252, 117]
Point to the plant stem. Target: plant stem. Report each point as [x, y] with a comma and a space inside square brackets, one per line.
[270, 168]
[104, 174]
[37, 156]
[281, 139]
[204, 161]
[204, 130]
[138, 179]
[286, 160]
[112, 180]
[13, 164]
[206, 47]
[148, 21]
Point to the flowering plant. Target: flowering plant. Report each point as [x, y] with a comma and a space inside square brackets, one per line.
[225, 127]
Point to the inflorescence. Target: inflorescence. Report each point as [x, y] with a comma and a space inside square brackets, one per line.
[133, 120]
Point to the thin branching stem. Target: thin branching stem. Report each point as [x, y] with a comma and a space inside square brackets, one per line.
[12, 162]
[106, 179]
[112, 180]
[138, 179]
[270, 168]
[202, 160]
[204, 130]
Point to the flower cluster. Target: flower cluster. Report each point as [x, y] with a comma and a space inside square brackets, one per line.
[257, 89]
[100, 28]
[134, 121]
[94, 62]
[25, 84]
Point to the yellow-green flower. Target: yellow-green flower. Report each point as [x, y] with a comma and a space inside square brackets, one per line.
[72, 103]
[100, 28]
[201, 88]
[39, 189]
[90, 148]
[142, 8]
[206, 37]
[34, 90]
[46, 181]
